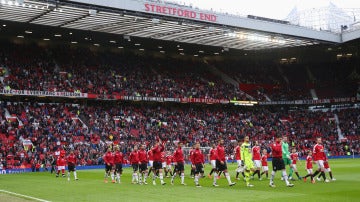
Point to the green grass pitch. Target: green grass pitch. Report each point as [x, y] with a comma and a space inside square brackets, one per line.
[91, 187]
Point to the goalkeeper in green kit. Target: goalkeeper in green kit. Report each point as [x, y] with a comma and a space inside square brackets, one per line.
[286, 154]
[246, 160]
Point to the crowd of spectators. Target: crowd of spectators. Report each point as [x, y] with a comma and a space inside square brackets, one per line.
[90, 129]
[107, 73]
[284, 82]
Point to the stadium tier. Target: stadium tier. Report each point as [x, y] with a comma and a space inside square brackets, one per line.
[111, 75]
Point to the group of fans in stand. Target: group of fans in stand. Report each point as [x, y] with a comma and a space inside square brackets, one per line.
[249, 161]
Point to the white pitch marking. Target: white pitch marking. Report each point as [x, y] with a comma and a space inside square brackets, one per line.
[25, 196]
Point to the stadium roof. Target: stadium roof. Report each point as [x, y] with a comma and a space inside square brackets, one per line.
[163, 21]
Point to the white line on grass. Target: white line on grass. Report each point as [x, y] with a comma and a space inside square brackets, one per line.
[25, 196]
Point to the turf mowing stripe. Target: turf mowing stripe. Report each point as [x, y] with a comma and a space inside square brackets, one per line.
[25, 196]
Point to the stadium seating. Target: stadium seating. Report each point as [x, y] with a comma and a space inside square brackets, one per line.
[108, 74]
[89, 129]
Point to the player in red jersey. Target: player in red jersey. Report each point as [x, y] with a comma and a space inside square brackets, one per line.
[264, 164]
[278, 162]
[178, 158]
[61, 163]
[191, 156]
[168, 169]
[198, 163]
[294, 158]
[257, 159]
[156, 150]
[134, 161]
[118, 161]
[151, 161]
[327, 169]
[62, 153]
[109, 166]
[143, 159]
[319, 158]
[309, 167]
[212, 159]
[163, 161]
[237, 156]
[221, 163]
[71, 160]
